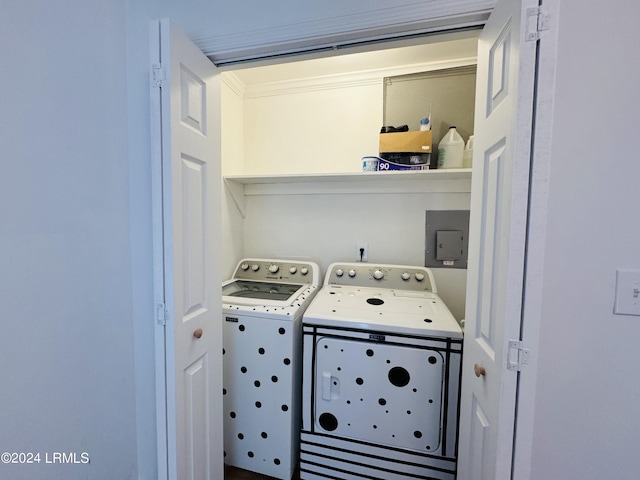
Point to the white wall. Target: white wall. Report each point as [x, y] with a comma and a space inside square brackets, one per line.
[587, 418]
[66, 350]
[322, 130]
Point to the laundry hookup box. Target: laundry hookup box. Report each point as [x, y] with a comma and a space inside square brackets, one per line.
[411, 148]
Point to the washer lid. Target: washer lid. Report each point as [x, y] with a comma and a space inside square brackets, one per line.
[241, 290]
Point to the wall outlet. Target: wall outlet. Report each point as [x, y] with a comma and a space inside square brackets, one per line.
[362, 252]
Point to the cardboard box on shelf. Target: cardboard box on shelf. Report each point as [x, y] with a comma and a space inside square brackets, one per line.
[406, 142]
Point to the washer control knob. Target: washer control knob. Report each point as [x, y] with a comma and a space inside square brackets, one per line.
[352, 273]
[420, 276]
[244, 266]
[339, 272]
[255, 267]
[304, 270]
[273, 268]
[293, 270]
[378, 274]
[405, 276]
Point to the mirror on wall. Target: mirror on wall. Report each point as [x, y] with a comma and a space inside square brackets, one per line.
[447, 94]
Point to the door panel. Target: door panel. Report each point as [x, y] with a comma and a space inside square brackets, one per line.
[185, 101]
[498, 221]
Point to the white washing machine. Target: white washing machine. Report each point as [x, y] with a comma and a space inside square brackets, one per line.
[381, 376]
[262, 308]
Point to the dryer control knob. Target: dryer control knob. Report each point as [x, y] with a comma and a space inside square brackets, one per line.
[273, 268]
[255, 267]
[244, 266]
[405, 276]
[339, 272]
[419, 276]
[378, 274]
[352, 273]
[293, 270]
[304, 270]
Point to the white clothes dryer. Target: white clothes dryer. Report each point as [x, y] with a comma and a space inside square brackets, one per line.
[381, 376]
[262, 308]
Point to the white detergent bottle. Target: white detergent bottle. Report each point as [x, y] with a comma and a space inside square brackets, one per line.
[450, 149]
[467, 156]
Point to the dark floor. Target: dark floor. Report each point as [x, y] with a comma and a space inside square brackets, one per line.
[232, 473]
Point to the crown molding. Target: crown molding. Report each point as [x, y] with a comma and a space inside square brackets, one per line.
[346, 80]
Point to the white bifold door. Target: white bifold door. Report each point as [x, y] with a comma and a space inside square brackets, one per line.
[185, 101]
[497, 238]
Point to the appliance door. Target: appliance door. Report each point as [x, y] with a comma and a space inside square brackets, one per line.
[382, 393]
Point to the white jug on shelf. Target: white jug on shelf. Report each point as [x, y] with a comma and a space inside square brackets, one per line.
[450, 150]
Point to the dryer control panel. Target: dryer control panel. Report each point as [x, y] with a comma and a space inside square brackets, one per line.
[280, 270]
[397, 277]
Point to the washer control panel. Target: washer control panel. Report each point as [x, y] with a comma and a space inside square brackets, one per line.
[398, 277]
[281, 270]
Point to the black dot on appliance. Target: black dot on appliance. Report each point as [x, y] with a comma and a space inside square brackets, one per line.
[328, 421]
[274, 379]
[382, 401]
[261, 351]
[243, 369]
[258, 404]
[370, 353]
[241, 328]
[232, 414]
[285, 408]
[250, 454]
[375, 301]
[241, 436]
[281, 331]
[264, 435]
[433, 360]
[428, 320]
[359, 381]
[287, 361]
[257, 383]
[417, 434]
[399, 376]
[276, 461]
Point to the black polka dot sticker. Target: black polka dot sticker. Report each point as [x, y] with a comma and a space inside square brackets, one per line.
[370, 352]
[241, 328]
[274, 378]
[328, 421]
[281, 331]
[264, 435]
[399, 376]
[276, 461]
[261, 351]
[287, 361]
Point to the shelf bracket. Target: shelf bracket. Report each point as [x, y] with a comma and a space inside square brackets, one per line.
[236, 192]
